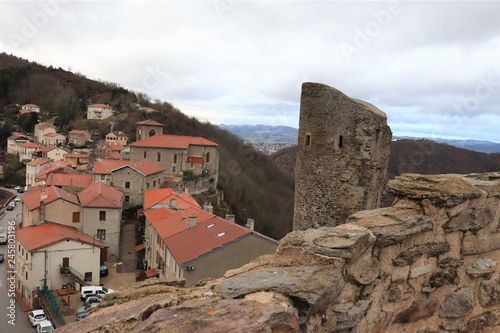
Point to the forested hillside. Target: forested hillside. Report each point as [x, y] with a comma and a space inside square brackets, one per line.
[253, 186]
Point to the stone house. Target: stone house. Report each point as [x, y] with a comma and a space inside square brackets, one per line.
[42, 129]
[27, 150]
[50, 152]
[99, 111]
[14, 141]
[117, 136]
[50, 203]
[148, 128]
[78, 137]
[30, 108]
[78, 161]
[33, 167]
[43, 249]
[130, 177]
[192, 158]
[102, 216]
[194, 244]
[53, 139]
[109, 150]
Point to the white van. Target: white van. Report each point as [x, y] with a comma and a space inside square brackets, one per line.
[94, 290]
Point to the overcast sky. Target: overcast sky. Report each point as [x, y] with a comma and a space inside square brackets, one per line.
[433, 67]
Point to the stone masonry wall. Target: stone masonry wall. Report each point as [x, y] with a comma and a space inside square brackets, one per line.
[342, 157]
[428, 263]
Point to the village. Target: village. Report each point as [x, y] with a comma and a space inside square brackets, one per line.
[89, 210]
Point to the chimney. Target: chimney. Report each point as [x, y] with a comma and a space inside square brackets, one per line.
[207, 207]
[43, 195]
[173, 203]
[230, 217]
[192, 221]
[42, 211]
[250, 224]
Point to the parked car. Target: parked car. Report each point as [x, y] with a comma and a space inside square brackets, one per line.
[36, 317]
[103, 269]
[17, 199]
[8, 186]
[45, 326]
[11, 206]
[17, 188]
[94, 290]
[1, 257]
[85, 310]
[92, 299]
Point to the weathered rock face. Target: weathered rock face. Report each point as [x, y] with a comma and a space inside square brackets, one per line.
[426, 264]
[342, 157]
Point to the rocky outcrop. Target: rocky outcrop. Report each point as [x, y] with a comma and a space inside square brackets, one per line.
[426, 264]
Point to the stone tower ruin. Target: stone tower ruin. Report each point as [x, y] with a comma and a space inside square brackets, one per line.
[342, 157]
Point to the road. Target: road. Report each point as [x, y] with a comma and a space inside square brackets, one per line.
[12, 317]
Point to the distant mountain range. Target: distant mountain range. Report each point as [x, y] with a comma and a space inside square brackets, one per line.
[284, 134]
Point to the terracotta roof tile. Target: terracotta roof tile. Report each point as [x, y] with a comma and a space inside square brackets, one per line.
[30, 145]
[117, 133]
[98, 105]
[75, 180]
[38, 161]
[43, 125]
[112, 156]
[163, 197]
[113, 146]
[169, 222]
[173, 141]
[47, 195]
[75, 131]
[101, 195]
[46, 148]
[53, 167]
[149, 122]
[37, 237]
[53, 135]
[145, 167]
[31, 105]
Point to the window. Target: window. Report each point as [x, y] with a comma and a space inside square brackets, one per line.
[127, 184]
[127, 198]
[175, 158]
[145, 154]
[307, 140]
[152, 132]
[76, 217]
[341, 139]
[101, 234]
[154, 183]
[102, 215]
[147, 185]
[26, 275]
[103, 177]
[207, 158]
[88, 276]
[65, 262]
[26, 255]
[158, 157]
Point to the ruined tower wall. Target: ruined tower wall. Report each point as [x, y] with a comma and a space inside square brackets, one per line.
[342, 157]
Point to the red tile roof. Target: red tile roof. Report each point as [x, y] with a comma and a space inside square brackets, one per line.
[33, 238]
[46, 148]
[113, 146]
[47, 195]
[98, 105]
[54, 167]
[77, 155]
[44, 125]
[112, 156]
[75, 131]
[53, 134]
[173, 141]
[30, 145]
[168, 222]
[149, 122]
[75, 180]
[101, 195]
[38, 161]
[205, 237]
[31, 105]
[163, 196]
[145, 167]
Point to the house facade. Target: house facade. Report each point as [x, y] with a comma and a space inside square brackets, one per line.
[43, 251]
[147, 128]
[53, 139]
[102, 216]
[42, 129]
[33, 168]
[31, 108]
[14, 141]
[50, 152]
[130, 177]
[78, 137]
[50, 203]
[194, 244]
[99, 111]
[78, 161]
[27, 150]
[193, 159]
[117, 136]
